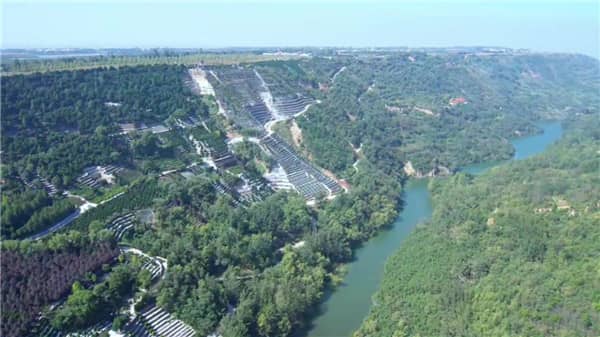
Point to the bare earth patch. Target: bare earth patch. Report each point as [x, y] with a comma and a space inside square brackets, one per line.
[202, 83]
[425, 111]
[343, 183]
[296, 133]
[409, 169]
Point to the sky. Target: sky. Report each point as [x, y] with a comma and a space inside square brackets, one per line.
[544, 25]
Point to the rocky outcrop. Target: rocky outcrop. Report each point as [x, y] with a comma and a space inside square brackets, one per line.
[437, 171]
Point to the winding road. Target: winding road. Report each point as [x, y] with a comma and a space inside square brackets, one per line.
[84, 207]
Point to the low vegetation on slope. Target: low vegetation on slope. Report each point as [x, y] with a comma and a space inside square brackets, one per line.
[511, 253]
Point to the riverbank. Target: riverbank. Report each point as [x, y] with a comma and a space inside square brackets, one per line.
[502, 251]
[344, 308]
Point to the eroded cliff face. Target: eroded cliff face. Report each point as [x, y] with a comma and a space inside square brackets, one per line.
[439, 170]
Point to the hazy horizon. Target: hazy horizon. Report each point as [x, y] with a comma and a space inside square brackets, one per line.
[557, 26]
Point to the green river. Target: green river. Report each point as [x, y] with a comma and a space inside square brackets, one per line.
[344, 308]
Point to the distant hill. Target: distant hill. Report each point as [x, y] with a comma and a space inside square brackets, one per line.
[428, 109]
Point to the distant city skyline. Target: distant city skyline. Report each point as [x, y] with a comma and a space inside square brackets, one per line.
[547, 26]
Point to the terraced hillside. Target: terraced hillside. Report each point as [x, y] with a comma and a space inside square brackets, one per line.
[307, 179]
[194, 164]
[239, 89]
[421, 110]
[253, 101]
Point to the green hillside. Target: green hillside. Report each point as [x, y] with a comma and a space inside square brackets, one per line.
[173, 176]
[513, 252]
[443, 110]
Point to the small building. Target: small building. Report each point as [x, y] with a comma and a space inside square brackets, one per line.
[458, 100]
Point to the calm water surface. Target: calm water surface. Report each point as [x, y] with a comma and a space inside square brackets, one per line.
[343, 310]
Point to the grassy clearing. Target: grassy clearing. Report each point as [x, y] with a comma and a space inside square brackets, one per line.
[282, 129]
[107, 194]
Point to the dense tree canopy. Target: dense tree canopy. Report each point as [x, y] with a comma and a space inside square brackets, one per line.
[509, 253]
[258, 267]
[58, 123]
[36, 274]
[401, 107]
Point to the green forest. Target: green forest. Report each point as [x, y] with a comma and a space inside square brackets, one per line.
[220, 255]
[56, 124]
[131, 148]
[513, 252]
[400, 107]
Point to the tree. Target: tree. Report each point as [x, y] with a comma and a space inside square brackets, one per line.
[233, 326]
[267, 321]
[144, 278]
[202, 310]
[119, 322]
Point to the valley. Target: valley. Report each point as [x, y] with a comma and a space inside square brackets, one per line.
[352, 299]
[249, 194]
[503, 250]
